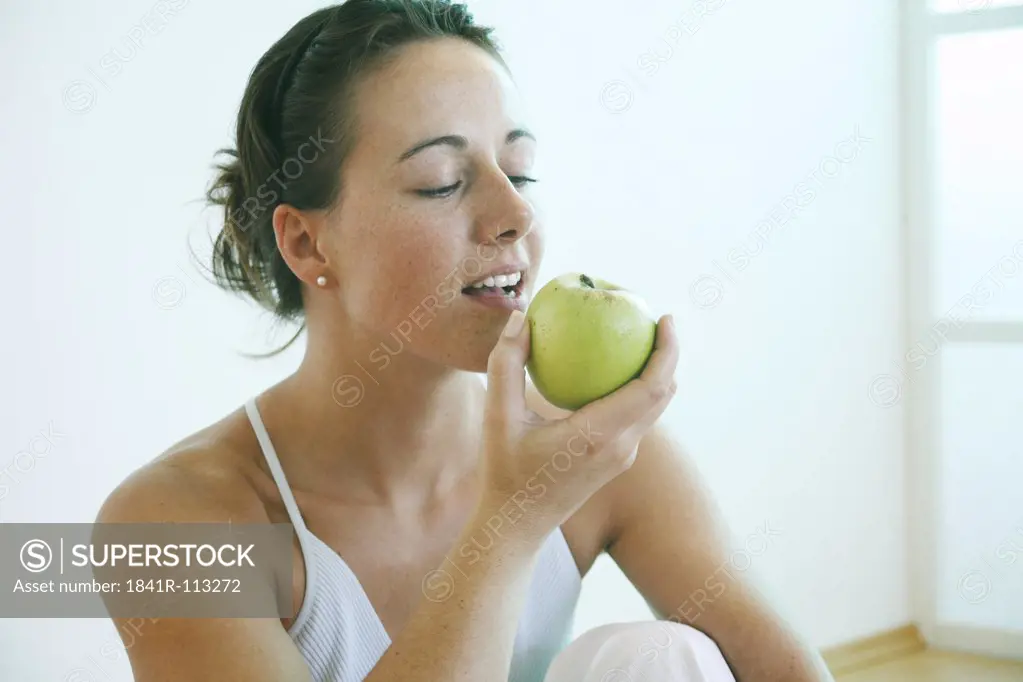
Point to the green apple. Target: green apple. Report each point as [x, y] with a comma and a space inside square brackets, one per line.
[588, 338]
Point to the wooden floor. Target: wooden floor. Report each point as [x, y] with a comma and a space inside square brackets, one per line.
[939, 666]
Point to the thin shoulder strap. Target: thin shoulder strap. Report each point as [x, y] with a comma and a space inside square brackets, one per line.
[272, 461]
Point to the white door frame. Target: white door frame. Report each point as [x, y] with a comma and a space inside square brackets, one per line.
[919, 32]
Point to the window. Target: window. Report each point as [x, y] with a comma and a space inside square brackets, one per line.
[963, 166]
[978, 183]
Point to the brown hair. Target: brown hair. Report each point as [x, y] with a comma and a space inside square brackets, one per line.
[294, 130]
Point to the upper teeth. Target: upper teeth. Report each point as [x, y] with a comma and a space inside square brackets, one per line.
[499, 281]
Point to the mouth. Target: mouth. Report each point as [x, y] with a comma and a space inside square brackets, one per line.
[510, 285]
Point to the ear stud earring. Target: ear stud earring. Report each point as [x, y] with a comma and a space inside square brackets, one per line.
[321, 280]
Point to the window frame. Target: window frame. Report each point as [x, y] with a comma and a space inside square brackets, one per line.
[921, 27]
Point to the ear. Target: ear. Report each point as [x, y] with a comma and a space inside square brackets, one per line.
[299, 235]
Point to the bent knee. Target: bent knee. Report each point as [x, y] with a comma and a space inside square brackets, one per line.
[641, 652]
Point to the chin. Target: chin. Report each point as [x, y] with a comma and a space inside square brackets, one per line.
[469, 349]
[465, 336]
[473, 357]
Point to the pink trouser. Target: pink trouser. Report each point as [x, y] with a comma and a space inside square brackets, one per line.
[654, 651]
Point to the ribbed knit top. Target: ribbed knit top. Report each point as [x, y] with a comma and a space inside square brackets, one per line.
[337, 629]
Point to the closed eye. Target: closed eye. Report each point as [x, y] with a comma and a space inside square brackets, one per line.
[521, 180]
[440, 192]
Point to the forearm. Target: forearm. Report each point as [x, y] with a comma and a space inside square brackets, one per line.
[782, 658]
[464, 628]
[761, 647]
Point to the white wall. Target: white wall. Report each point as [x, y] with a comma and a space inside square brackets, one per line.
[651, 180]
[781, 350]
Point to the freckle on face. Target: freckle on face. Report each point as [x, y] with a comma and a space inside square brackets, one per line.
[395, 249]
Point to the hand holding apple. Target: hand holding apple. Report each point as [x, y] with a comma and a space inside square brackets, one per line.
[601, 438]
[588, 338]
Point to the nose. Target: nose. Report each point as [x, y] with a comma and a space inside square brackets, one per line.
[505, 216]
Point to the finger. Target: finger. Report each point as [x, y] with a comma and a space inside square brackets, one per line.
[506, 378]
[634, 433]
[663, 361]
[637, 400]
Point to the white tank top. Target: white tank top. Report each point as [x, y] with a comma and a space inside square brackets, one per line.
[339, 634]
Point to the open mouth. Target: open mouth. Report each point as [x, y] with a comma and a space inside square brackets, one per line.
[506, 286]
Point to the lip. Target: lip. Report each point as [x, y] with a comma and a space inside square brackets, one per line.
[502, 270]
[498, 301]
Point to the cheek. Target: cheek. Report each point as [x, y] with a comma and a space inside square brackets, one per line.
[536, 243]
[390, 270]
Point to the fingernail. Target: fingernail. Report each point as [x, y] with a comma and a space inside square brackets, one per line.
[514, 326]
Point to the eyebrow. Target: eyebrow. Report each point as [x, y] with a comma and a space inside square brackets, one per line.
[459, 142]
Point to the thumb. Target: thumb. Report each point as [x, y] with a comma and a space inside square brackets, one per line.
[506, 379]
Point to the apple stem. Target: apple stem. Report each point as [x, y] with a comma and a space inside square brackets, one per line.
[587, 281]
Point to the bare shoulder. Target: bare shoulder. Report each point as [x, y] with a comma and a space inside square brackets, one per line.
[208, 477]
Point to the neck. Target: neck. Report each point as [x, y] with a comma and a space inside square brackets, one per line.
[375, 427]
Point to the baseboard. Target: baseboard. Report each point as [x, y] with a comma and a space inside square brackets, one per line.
[870, 651]
[977, 641]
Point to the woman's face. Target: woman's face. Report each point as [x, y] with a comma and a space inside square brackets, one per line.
[418, 221]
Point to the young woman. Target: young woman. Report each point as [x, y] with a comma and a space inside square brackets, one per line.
[382, 174]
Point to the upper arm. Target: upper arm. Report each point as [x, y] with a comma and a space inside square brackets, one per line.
[668, 536]
[173, 649]
[670, 540]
